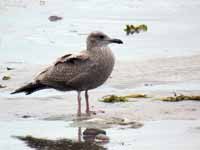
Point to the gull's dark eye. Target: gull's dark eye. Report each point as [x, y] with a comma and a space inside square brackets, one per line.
[101, 36]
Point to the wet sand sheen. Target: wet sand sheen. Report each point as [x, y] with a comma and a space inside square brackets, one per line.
[168, 134]
[126, 75]
[170, 39]
[178, 74]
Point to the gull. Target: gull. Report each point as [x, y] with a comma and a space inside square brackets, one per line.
[79, 72]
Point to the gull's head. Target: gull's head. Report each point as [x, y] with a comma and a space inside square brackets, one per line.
[100, 39]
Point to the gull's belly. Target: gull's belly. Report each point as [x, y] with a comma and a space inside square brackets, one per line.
[99, 76]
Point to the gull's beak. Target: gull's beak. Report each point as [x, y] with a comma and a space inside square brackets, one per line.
[118, 41]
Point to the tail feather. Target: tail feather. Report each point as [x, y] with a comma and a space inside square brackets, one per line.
[30, 88]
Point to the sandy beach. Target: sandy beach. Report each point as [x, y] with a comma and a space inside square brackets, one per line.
[161, 62]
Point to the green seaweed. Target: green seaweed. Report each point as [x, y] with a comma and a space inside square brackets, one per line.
[115, 98]
[131, 29]
[6, 78]
[143, 27]
[136, 96]
[180, 98]
[127, 29]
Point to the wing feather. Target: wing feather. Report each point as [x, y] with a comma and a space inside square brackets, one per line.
[72, 58]
[65, 69]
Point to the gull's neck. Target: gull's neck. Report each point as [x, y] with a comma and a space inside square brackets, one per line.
[96, 48]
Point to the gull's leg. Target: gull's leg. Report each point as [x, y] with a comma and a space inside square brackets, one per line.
[88, 111]
[79, 103]
[87, 102]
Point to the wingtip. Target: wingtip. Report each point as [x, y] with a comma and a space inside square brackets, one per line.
[13, 92]
[16, 92]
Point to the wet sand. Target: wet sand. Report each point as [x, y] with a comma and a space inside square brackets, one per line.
[156, 78]
[160, 62]
[166, 124]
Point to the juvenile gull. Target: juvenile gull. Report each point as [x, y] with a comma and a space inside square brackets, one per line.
[80, 72]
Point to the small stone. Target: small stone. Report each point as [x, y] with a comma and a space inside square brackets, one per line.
[101, 138]
[2, 86]
[8, 68]
[26, 116]
[55, 18]
[193, 109]
[6, 78]
[146, 84]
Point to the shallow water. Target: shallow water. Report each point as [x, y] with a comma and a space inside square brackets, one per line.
[155, 135]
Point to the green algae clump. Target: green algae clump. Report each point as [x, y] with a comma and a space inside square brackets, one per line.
[136, 96]
[143, 27]
[115, 98]
[6, 78]
[131, 29]
[180, 98]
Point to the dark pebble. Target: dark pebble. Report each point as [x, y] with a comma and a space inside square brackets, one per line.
[55, 18]
[26, 116]
[8, 68]
[2, 86]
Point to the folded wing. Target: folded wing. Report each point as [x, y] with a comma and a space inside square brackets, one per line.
[66, 71]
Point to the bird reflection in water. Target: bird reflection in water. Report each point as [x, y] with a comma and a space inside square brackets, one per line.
[90, 141]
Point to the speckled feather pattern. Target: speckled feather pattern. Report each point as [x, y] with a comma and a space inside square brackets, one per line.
[81, 74]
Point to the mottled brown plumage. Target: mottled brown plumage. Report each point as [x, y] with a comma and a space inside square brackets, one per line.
[80, 72]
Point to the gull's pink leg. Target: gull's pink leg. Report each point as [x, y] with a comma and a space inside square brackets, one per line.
[88, 111]
[79, 103]
[87, 102]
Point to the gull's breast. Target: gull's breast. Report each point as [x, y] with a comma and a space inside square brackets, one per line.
[103, 66]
